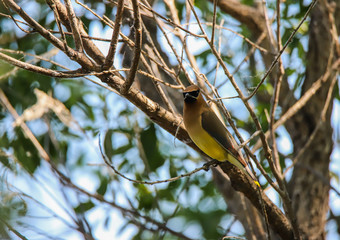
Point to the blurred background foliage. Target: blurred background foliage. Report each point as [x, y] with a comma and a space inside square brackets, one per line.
[33, 198]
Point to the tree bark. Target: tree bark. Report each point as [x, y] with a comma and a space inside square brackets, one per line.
[309, 186]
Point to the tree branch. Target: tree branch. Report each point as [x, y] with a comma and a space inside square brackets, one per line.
[79, 57]
[74, 26]
[138, 47]
[116, 30]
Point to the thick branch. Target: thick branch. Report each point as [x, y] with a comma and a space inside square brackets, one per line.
[276, 218]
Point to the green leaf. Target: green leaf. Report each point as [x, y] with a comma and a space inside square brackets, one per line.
[108, 144]
[336, 91]
[123, 149]
[84, 207]
[150, 147]
[5, 161]
[103, 186]
[25, 152]
[165, 194]
[145, 198]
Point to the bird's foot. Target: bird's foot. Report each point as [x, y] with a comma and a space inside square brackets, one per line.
[212, 163]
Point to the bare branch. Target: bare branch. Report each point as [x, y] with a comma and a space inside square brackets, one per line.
[204, 167]
[89, 46]
[116, 30]
[303, 100]
[283, 49]
[138, 48]
[80, 58]
[214, 23]
[24, 127]
[74, 26]
[127, 212]
[40, 70]
[169, 21]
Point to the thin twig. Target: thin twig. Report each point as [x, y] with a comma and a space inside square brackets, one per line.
[157, 229]
[60, 74]
[275, 97]
[44, 206]
[86, 36]
[158, 54]
[153, 69]
[74, 26]
[89, 46]
[160, 80]
[40, 70]
[276, 161]
[204, 167]
[60, 27]
[219, 51]
[247, 150]
[79, 57]
[283, 49]
[303, 100]
[161, 92]
[321, 121]
[125, 211]
[16, 21]
[24, 127]
[248, 140]
[18, 234]
[174, 24]
[137, 51]
[268, 28]
[266, 148]
[173, 49]
[251, 51]
[190, 57]
[116, 30]
[213, 23]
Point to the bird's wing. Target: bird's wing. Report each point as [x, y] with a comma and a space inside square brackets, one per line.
[213, 125]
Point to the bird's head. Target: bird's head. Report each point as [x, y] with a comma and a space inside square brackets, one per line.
[191, 93]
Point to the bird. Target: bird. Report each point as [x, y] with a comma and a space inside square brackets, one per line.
[208, 132]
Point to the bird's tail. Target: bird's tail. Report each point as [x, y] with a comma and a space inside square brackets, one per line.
[242, 164]
[249, 172]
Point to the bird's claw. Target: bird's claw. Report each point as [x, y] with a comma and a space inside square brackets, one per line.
[212, 163]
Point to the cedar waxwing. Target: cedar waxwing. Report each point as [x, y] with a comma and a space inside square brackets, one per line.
[208, 132]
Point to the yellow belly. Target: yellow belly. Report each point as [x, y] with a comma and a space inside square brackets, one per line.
[206, 143]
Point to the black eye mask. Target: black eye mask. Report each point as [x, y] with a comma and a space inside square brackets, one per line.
[191, 96]
[195, 93]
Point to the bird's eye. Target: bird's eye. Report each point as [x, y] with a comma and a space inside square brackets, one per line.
[195, 93]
